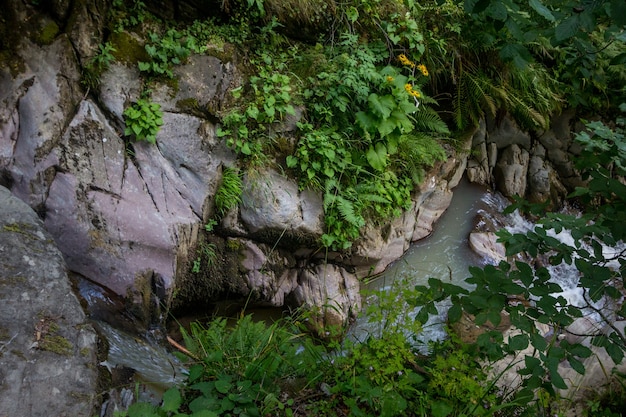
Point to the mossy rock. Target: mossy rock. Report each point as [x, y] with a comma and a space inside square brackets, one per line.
[57, 344]
[48, 33]
[128, 49]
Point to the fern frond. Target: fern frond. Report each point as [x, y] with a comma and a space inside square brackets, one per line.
[526, 115]
[347, 211]
[426, 119]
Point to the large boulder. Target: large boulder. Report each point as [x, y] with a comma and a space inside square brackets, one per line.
[47, 349]
[272, 205]
[35, 106]
[331, 293]
[117, 217]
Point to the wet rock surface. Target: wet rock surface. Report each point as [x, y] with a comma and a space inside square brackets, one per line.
[47, 350]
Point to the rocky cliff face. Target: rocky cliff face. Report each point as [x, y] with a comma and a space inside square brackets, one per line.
[538, 167]
[130, 215]
[47, 349]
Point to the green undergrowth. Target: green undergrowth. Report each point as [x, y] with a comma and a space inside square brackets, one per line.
[251, 368]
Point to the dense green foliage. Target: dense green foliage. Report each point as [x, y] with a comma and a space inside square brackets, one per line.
[581, 42]
[368, 125]
[250, 368]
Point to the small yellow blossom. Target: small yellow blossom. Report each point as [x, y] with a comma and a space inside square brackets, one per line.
[409, 89]
[389, 78]
[405, 61]
[423, 70]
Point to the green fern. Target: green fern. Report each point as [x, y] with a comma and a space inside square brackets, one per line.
[476, 95]
[531, 96]
[417, 151]
[426, 119]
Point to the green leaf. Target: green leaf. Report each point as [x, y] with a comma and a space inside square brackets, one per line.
[542, 10]
[252, 111]
[567, 28]
[223, 386]
[538, 342]
[292, 161]
[617, 60]
[498, 11]
[386, 126]
[576, 365]
[618, 12]
[144, 66]
[441, 408]
[454, 313]
[352, 14]
[136, 130]
[245, 149]
[518, 342]
[171, 400]
[381, 106]
[377, 156]
[365, 121]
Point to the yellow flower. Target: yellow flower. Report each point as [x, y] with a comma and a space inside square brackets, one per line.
[423, 69]
[405, 61]
[389, 78]
[409, 89]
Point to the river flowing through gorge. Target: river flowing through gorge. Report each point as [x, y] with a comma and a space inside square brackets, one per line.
[445, 254]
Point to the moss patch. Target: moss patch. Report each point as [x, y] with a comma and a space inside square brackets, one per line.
[57, 344]
[128, 49]
[47, 337]
[21, 228]
[48, 32]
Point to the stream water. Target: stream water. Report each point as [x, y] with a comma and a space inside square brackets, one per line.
[445, 254]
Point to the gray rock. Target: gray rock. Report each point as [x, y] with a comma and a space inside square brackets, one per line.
[331, 292]
[87, 26]
[47, 350]
[507, 133]
[486, 245]
[203, 86]
[433, 206]
[511, 170]
[272, 204]
[119, 86]
[35, 110]
[269, 273]
[115, 217]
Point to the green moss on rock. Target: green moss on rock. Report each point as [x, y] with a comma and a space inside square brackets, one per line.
[48, 32]
[128, 49]
[57, 344]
